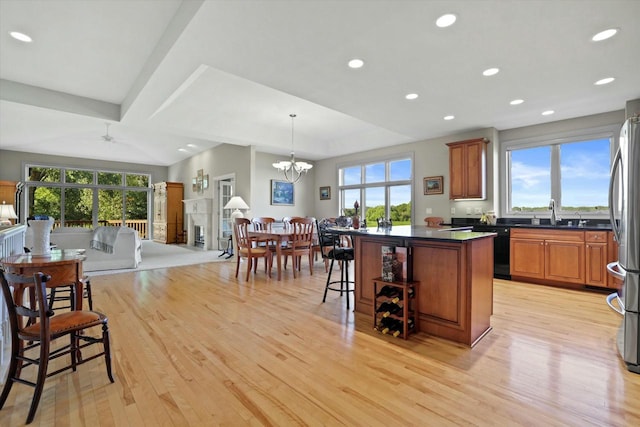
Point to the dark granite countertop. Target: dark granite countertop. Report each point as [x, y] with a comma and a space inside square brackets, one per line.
[450, 234]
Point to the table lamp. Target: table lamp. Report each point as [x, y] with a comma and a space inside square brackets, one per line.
[7, 214]
[236, 203]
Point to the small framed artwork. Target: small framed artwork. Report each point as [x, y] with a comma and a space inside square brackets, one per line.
[325, 193]
[433, 185]
[282, 193]
[205, 182]
[194, 185]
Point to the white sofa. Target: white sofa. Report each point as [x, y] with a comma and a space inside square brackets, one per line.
[127, 250]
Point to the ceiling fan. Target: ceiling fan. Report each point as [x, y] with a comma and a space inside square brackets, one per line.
[106, 137]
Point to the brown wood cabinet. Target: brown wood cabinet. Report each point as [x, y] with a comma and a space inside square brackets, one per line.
[563, 256]
[596, 258]
[467, 169]
[168, 212]
[526, 256]
[456, 283]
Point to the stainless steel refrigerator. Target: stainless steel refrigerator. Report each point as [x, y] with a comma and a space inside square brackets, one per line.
[624, 205]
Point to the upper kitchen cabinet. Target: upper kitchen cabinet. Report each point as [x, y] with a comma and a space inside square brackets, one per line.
[468, 169]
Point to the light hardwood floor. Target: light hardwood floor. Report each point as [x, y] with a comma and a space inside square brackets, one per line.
[193, 346]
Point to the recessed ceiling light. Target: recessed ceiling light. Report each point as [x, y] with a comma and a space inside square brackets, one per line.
[356, 63]
[446, 20]
[548, 112]
[182, 149]
[490, 71]
[604, 81]
[411, 96]
[517, 102]
[20, 36]
[191, 145]
[449, 117]
[603, 35]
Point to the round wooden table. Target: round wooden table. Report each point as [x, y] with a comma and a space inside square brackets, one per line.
[64, 266]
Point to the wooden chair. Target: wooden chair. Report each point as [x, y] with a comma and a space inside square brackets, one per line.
[34, 329]
[301, 243]
[246, 248]
[434, 221]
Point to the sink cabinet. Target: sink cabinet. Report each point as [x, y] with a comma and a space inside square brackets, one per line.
[564, 257]
[548, 255]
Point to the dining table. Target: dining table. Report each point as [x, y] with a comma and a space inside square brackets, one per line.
[279, 236]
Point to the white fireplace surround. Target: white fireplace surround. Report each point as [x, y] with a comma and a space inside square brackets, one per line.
[199, 212]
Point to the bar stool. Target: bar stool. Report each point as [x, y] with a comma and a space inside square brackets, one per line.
[332, 249]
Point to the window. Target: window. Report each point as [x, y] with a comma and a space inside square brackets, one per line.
[572, 170]
[383, 189]
[86, 197]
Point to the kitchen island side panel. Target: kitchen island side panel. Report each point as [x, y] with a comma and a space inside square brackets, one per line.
[456, 283]
[368, 266]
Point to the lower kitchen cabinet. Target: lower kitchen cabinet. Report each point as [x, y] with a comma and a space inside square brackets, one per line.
[548, 255]
[596, 258]
[563, 257]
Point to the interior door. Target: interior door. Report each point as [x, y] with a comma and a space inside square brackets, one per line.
[225, 228]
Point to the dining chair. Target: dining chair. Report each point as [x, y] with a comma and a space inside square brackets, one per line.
[434, 221]
[300, 243]
[246, 247]
[34, 329]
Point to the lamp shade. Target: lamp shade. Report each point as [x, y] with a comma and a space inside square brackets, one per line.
[236, 202]
[6, 213]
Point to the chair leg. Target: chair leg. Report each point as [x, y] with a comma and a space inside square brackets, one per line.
[87, 283]
[249, 264]
[107, 349]
[311, 263]
[11, 373]
[42, 375]
[237, 265]
[346, 282]
[326, 288]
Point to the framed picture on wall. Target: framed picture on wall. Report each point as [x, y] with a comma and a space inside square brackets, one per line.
[282, 193]
[433, 185]
[325, 193]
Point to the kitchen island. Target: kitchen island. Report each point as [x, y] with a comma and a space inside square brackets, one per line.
[455, 274]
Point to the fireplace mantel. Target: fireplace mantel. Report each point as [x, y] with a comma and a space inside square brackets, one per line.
[199, 212]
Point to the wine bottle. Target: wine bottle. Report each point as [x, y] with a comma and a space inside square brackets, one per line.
[392, 308]
[387, 291]
[384, 307]
[393, 325]
[385, 322]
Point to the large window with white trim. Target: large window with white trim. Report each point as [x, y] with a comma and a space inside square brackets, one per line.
[382, 188]
[87, 197]
[573, 170]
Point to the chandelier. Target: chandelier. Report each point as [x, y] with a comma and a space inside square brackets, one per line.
[291, 169]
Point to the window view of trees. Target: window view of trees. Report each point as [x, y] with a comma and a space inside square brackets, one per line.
[383, 190]
[86, 198]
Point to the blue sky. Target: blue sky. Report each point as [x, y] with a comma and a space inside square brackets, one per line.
[584, 168]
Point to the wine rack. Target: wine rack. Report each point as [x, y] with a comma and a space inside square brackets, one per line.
[395, 302]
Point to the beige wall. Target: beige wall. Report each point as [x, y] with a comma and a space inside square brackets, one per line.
[431, 158]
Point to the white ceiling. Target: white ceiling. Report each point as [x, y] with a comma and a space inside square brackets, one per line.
[170, 73]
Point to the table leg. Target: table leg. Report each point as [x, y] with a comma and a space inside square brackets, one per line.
[279, 255]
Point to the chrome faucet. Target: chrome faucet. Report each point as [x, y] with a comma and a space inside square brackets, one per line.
[552, 208]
